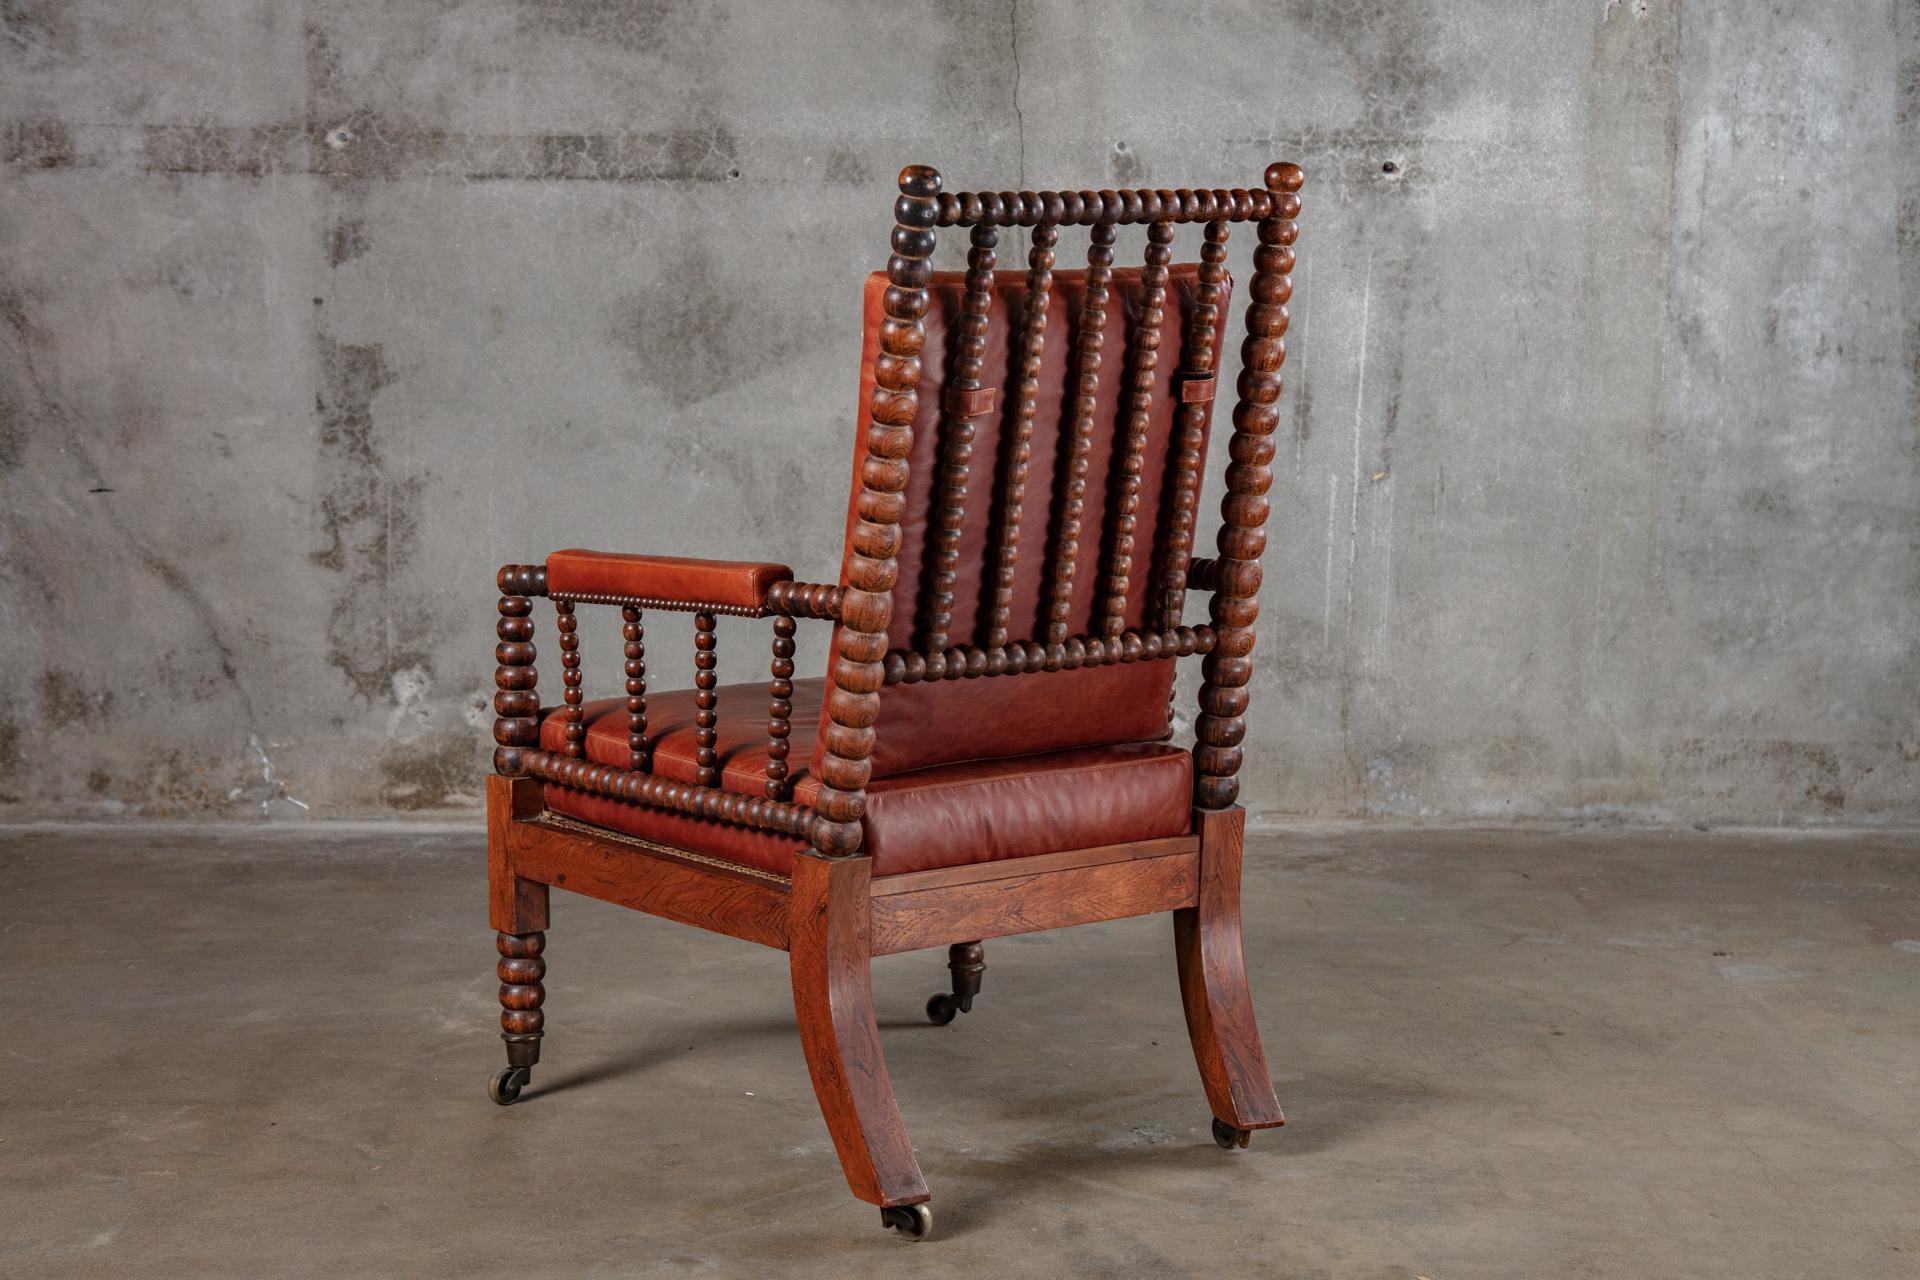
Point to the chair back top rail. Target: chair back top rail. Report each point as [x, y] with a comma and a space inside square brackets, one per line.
[1121, 208]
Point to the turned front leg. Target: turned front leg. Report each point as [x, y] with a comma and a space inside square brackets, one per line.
[517, 909]
[522, 992]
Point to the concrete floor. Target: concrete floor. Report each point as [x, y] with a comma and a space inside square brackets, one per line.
[263, 1052]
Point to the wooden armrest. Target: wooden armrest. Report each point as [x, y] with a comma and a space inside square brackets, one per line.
[663, 582]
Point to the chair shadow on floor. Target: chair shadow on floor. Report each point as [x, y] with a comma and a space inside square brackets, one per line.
[644, 1058]
[1326, 1110]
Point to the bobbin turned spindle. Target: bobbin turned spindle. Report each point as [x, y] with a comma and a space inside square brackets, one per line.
[516, 701]
[1221, 725]
[869, 570]
[521, 1021]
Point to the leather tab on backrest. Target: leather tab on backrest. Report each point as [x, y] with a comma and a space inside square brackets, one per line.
[975, 403]
[1197, 388]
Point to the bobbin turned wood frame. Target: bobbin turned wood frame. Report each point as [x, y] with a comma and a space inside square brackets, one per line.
[832, 915]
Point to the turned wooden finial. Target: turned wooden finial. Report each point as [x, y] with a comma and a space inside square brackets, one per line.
[1283, 175]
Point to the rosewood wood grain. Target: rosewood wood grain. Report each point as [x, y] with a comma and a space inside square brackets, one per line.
[805, 599]
[870, 567]
[833, 1004]
[1029, 903]
[1071, 503]
[1213, 981]
[669, 883]
[1200, 573]
[1143, 350]
[1221, 725]
[514, 904]
[633, 634]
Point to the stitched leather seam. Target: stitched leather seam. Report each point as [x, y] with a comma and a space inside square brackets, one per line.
[657, 602]
[1068, 773]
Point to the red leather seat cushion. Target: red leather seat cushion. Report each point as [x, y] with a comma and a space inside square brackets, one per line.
[949, 815]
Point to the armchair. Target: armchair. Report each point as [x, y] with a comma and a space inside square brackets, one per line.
[1012, 596]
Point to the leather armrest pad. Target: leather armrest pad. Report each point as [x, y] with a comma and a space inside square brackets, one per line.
[732, 585]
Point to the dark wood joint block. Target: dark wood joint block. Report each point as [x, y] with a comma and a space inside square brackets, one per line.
[514, 905]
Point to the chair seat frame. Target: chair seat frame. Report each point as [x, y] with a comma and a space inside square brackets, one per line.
[832, 917]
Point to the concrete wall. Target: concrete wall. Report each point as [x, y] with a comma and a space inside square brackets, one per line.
[1597, 489]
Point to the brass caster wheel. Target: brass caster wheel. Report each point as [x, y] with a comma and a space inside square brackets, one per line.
[1226, 1137]
[506, 1084]
[912, 1221]
[942, 1009]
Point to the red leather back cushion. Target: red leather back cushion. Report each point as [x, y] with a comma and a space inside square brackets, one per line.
[998, 716]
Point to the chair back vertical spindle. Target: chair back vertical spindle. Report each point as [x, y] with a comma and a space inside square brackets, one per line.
[965, 402]
[1143, 348]
[1017, 451]
[568, 626]
[1236, 572]
[1195, 387]
[633, 632]
[1088, 349]
[780, 707]
[705, 699]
